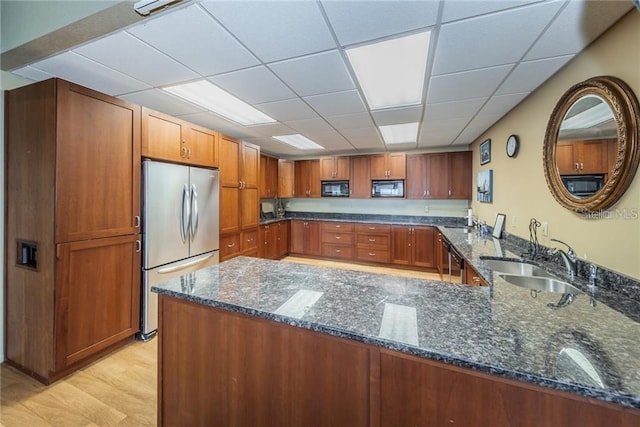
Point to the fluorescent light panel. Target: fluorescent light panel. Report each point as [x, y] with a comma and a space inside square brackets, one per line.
[299, 141]
[398, 134]
[391, 73]
[211, 97]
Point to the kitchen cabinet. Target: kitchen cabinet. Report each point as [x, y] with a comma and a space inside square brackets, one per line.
[338, 240]
[582, 157]
[283, 238]
[305, 237]
[373, 243]
[336, 168]
[471, 276]
[168, 138]
[413, 246]
[307, 178]
[439, 176]
[239, 191]
[268, 177]
[388, 166]
[274, 240]
[286, 174]
[360, 182]
[72, 212]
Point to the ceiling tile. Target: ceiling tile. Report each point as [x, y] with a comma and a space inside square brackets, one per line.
[310, 125]
[363, 138]
[447, 110]
[491, 40]
[80, 70]
[213, 121]
[293, 27]
[577, 26]
[397, 115]
[460, 9]
[466, 85]
[162, 101]
[31, 73]
[329, 139]
[529, 75]
[502, 104]
[269, 130]
[130, 56]
[315, 74]
[337, 103]
[360, 21]
[195, 40]
[270, 145]
[441, 132]
[287, 110]
[476, 128]
[368, 144]
[351, 121]
[254, 85]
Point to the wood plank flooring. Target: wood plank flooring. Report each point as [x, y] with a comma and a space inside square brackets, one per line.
[118, 390]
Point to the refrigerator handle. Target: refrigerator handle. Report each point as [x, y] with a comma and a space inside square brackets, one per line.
[194, 211]
[185, 213]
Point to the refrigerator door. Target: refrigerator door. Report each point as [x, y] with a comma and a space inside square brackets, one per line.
[149, 313]
[166, 216]
[204, 224]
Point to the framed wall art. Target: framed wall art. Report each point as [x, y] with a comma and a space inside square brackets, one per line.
[485, 152]
[485, 186]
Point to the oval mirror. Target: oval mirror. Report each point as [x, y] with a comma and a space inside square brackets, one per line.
[591, 144]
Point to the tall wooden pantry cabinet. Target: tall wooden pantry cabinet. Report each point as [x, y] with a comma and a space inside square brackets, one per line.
[72, 266]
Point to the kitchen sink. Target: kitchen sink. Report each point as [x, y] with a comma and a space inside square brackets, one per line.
[544, 284]
[515, 267]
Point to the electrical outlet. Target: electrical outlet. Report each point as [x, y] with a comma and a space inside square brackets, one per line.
[545, 228]
[426, 209]
[514, 221]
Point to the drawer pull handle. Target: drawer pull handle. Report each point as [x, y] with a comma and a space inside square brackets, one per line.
[372, 228]
[338, 226]
[372, 254]
[231, 245]
[338, 251]
[338, 237]
[372, 240]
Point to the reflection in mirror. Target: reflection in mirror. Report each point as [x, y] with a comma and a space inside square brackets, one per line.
[591, 144]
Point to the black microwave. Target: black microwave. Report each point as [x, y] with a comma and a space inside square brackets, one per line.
[335, 189]
[387, 188]
[583, 185]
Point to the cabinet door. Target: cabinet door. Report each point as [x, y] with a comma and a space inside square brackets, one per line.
[423, 247]
[263, 241]
[343, 168]
[97, 296]
[460, 175]
[249, 208]
[285, 178]
[327, 168]
[360, 182]
[416, 176]
[202, 146]
[283, 238]
[250, 170]
[313, 243]
[378, 164]
[268, 176]
[397, 165]
[297, 238]
[401, 245]
[229, 162]
[438, 169]
[314, 178]
[594, 157]
[301, 178]
[229, 214]
[162, 136]
[97, 135]
[567, 158]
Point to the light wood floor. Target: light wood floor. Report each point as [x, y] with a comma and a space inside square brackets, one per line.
[118, 390]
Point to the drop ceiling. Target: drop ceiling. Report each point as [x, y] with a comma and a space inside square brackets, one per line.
[287, 59]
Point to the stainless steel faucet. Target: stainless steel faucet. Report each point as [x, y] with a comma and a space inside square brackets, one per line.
[570, 259]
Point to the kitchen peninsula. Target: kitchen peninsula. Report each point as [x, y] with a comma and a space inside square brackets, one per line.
[259, 342]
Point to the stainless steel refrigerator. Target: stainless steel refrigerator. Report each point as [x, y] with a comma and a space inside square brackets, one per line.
[180, 228]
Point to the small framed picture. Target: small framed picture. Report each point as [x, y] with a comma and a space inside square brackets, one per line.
[498, 226]
[485, 152]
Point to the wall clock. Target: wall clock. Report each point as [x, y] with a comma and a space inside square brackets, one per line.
[513, 144]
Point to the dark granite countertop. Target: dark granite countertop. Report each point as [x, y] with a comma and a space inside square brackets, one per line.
[366, 218]
[584, 348]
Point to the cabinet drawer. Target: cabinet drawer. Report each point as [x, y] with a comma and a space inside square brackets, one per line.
[373, 228]
[337, 226]
[337, 237]
[337, 251]
[377, 241]
[373, 255]
[229, 246]
[249, 240]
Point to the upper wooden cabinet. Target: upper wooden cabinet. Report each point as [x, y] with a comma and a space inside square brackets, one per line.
[439, 176]
[388, 166]
[583, 157]
[268, 176]
[286, 172]
[360, 182]
[168, 138]
[335, 168]
[307, 178]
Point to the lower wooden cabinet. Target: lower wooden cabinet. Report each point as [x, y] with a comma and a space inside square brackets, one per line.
[471, 276]
[305, 237]
[373, 243]
[338, 240]
[413, 246]
[229, 246]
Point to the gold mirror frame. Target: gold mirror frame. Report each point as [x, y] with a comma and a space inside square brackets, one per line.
[626, 112]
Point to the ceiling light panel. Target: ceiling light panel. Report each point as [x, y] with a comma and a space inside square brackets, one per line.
[275, 30]
[211, 97]
[195, 40]
[360, 21]
[298, 141]
[391, 73]
[400, 134]
[125, 53]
